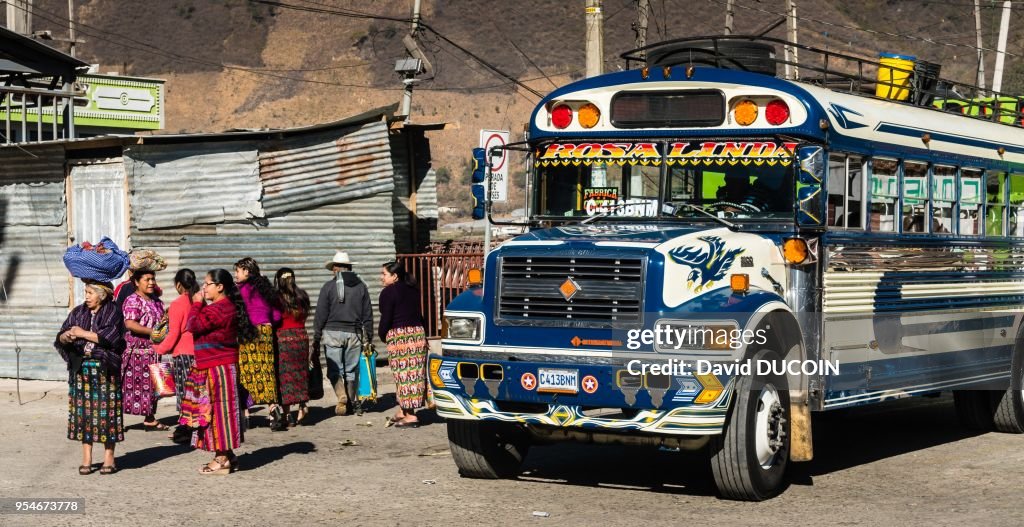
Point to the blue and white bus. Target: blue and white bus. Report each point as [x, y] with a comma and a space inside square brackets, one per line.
[716, 252]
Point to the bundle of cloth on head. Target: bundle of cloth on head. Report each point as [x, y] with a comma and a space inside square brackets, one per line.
[103, 262]
[147, 260]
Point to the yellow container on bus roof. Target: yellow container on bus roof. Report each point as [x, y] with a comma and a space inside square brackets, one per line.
[894, 76]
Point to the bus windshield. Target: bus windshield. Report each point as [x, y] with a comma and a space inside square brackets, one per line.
[732, 179]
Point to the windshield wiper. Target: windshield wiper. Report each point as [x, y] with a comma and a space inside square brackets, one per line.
[732, 226]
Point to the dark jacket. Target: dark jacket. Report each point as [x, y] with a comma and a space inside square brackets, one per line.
[108, 324]
[399, 306]
[352, 314]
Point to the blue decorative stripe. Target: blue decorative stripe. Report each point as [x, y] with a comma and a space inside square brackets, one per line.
[909, 131]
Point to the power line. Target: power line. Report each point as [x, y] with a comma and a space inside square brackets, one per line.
[870, 31]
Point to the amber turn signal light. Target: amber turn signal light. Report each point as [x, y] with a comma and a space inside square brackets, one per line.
[794, 250]
[475, 277]
[740, 283]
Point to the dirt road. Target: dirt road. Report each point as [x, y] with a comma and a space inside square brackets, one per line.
[902, 463]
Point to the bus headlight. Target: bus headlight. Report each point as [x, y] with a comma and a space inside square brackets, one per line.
[462, 328]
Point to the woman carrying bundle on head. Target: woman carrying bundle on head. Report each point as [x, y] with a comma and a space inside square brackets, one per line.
[257, 358]
[292, 345]
[178, 341]
[91, 341]
[218, 321]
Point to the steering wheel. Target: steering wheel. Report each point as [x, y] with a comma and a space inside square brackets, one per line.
[721, 205]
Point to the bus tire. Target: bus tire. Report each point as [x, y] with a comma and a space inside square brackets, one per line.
[974, 409]
[487, 449]
[749, 458]
[1009, 405]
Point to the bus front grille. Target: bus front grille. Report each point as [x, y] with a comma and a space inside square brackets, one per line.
[604, 292]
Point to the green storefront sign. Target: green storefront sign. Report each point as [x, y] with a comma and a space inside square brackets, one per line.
[127, 103]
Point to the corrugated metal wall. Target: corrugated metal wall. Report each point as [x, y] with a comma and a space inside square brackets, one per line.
[304, 241]
[308, 171]
[33, 236]
[184, 184]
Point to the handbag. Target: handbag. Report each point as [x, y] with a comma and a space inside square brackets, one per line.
[163, 379]
[160, 330]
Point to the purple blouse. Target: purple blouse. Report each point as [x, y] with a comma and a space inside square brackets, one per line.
[260, 311]
[147, 313]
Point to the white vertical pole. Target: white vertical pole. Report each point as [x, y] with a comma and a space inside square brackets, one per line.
[1004, 28]
[594, 40]
[981, 54]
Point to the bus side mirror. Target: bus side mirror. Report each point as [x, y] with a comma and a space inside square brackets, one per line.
[479, 192]
[811, 177]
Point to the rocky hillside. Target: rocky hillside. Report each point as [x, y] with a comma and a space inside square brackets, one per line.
[244, 64]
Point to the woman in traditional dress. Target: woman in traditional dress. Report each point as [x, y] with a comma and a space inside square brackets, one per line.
[142, 311]
[178, 341]
[91, 341]
[401, 327]
[218, 322]
[292, 345]
[257, 360]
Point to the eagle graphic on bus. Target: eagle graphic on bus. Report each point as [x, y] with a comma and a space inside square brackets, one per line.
[707, 265]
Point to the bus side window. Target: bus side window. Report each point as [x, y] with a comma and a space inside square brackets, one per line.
[971, 195]
[943, 198]
[995, 192]
[883, 195]
[845, 181]
[1016, 219]
[915, 197]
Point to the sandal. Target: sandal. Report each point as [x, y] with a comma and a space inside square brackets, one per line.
[407, 424]
[84, 470]
[300, 416]
[106, 470]
[223, 468]
[154, 426]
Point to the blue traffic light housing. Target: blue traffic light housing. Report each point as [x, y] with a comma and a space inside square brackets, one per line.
[479, 165]
[479, 210]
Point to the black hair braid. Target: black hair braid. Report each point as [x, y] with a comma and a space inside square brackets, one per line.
[244, 328]
[293, 299]
[265, 289]
[187, 279]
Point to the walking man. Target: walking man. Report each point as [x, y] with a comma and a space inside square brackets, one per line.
[343, 311]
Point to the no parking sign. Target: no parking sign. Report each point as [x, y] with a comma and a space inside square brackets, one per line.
[498, 160]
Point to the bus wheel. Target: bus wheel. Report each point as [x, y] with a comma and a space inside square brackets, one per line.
[974, 409]
[749, 458]
[487, 449]
[1009, 405]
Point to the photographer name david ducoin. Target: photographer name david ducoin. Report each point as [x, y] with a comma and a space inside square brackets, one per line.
[748, 367]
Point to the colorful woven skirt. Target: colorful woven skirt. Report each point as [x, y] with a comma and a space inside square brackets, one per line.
[407, 356]
[181, 366]
[136, 385]
[293, 365]
[256, 366]
[211, 408]
[94, 405]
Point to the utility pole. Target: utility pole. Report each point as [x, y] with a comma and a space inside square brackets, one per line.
[594, 40]
[1004, 29]
[728, 17]
[981, 54]
[792, 72]
[71, 25]
[19, 16]
[643, 7]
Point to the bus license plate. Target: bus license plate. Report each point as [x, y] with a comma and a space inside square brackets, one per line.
[552, 380]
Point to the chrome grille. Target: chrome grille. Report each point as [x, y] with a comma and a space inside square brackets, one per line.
[610, 291]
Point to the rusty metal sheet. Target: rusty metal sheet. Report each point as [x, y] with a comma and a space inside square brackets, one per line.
[328, 167]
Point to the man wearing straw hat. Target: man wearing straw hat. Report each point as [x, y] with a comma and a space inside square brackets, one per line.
[343, 311]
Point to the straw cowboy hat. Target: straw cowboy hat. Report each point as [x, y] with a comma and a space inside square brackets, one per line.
[340, 258]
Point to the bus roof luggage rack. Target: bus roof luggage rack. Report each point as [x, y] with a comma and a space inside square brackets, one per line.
[758, 57]
[915, 82]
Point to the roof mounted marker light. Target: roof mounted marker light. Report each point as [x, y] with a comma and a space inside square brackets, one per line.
[561, 116]
[776, 112]
[588, 115]
[745, 112]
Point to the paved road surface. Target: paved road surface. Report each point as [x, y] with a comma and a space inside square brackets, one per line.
[902, 463]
